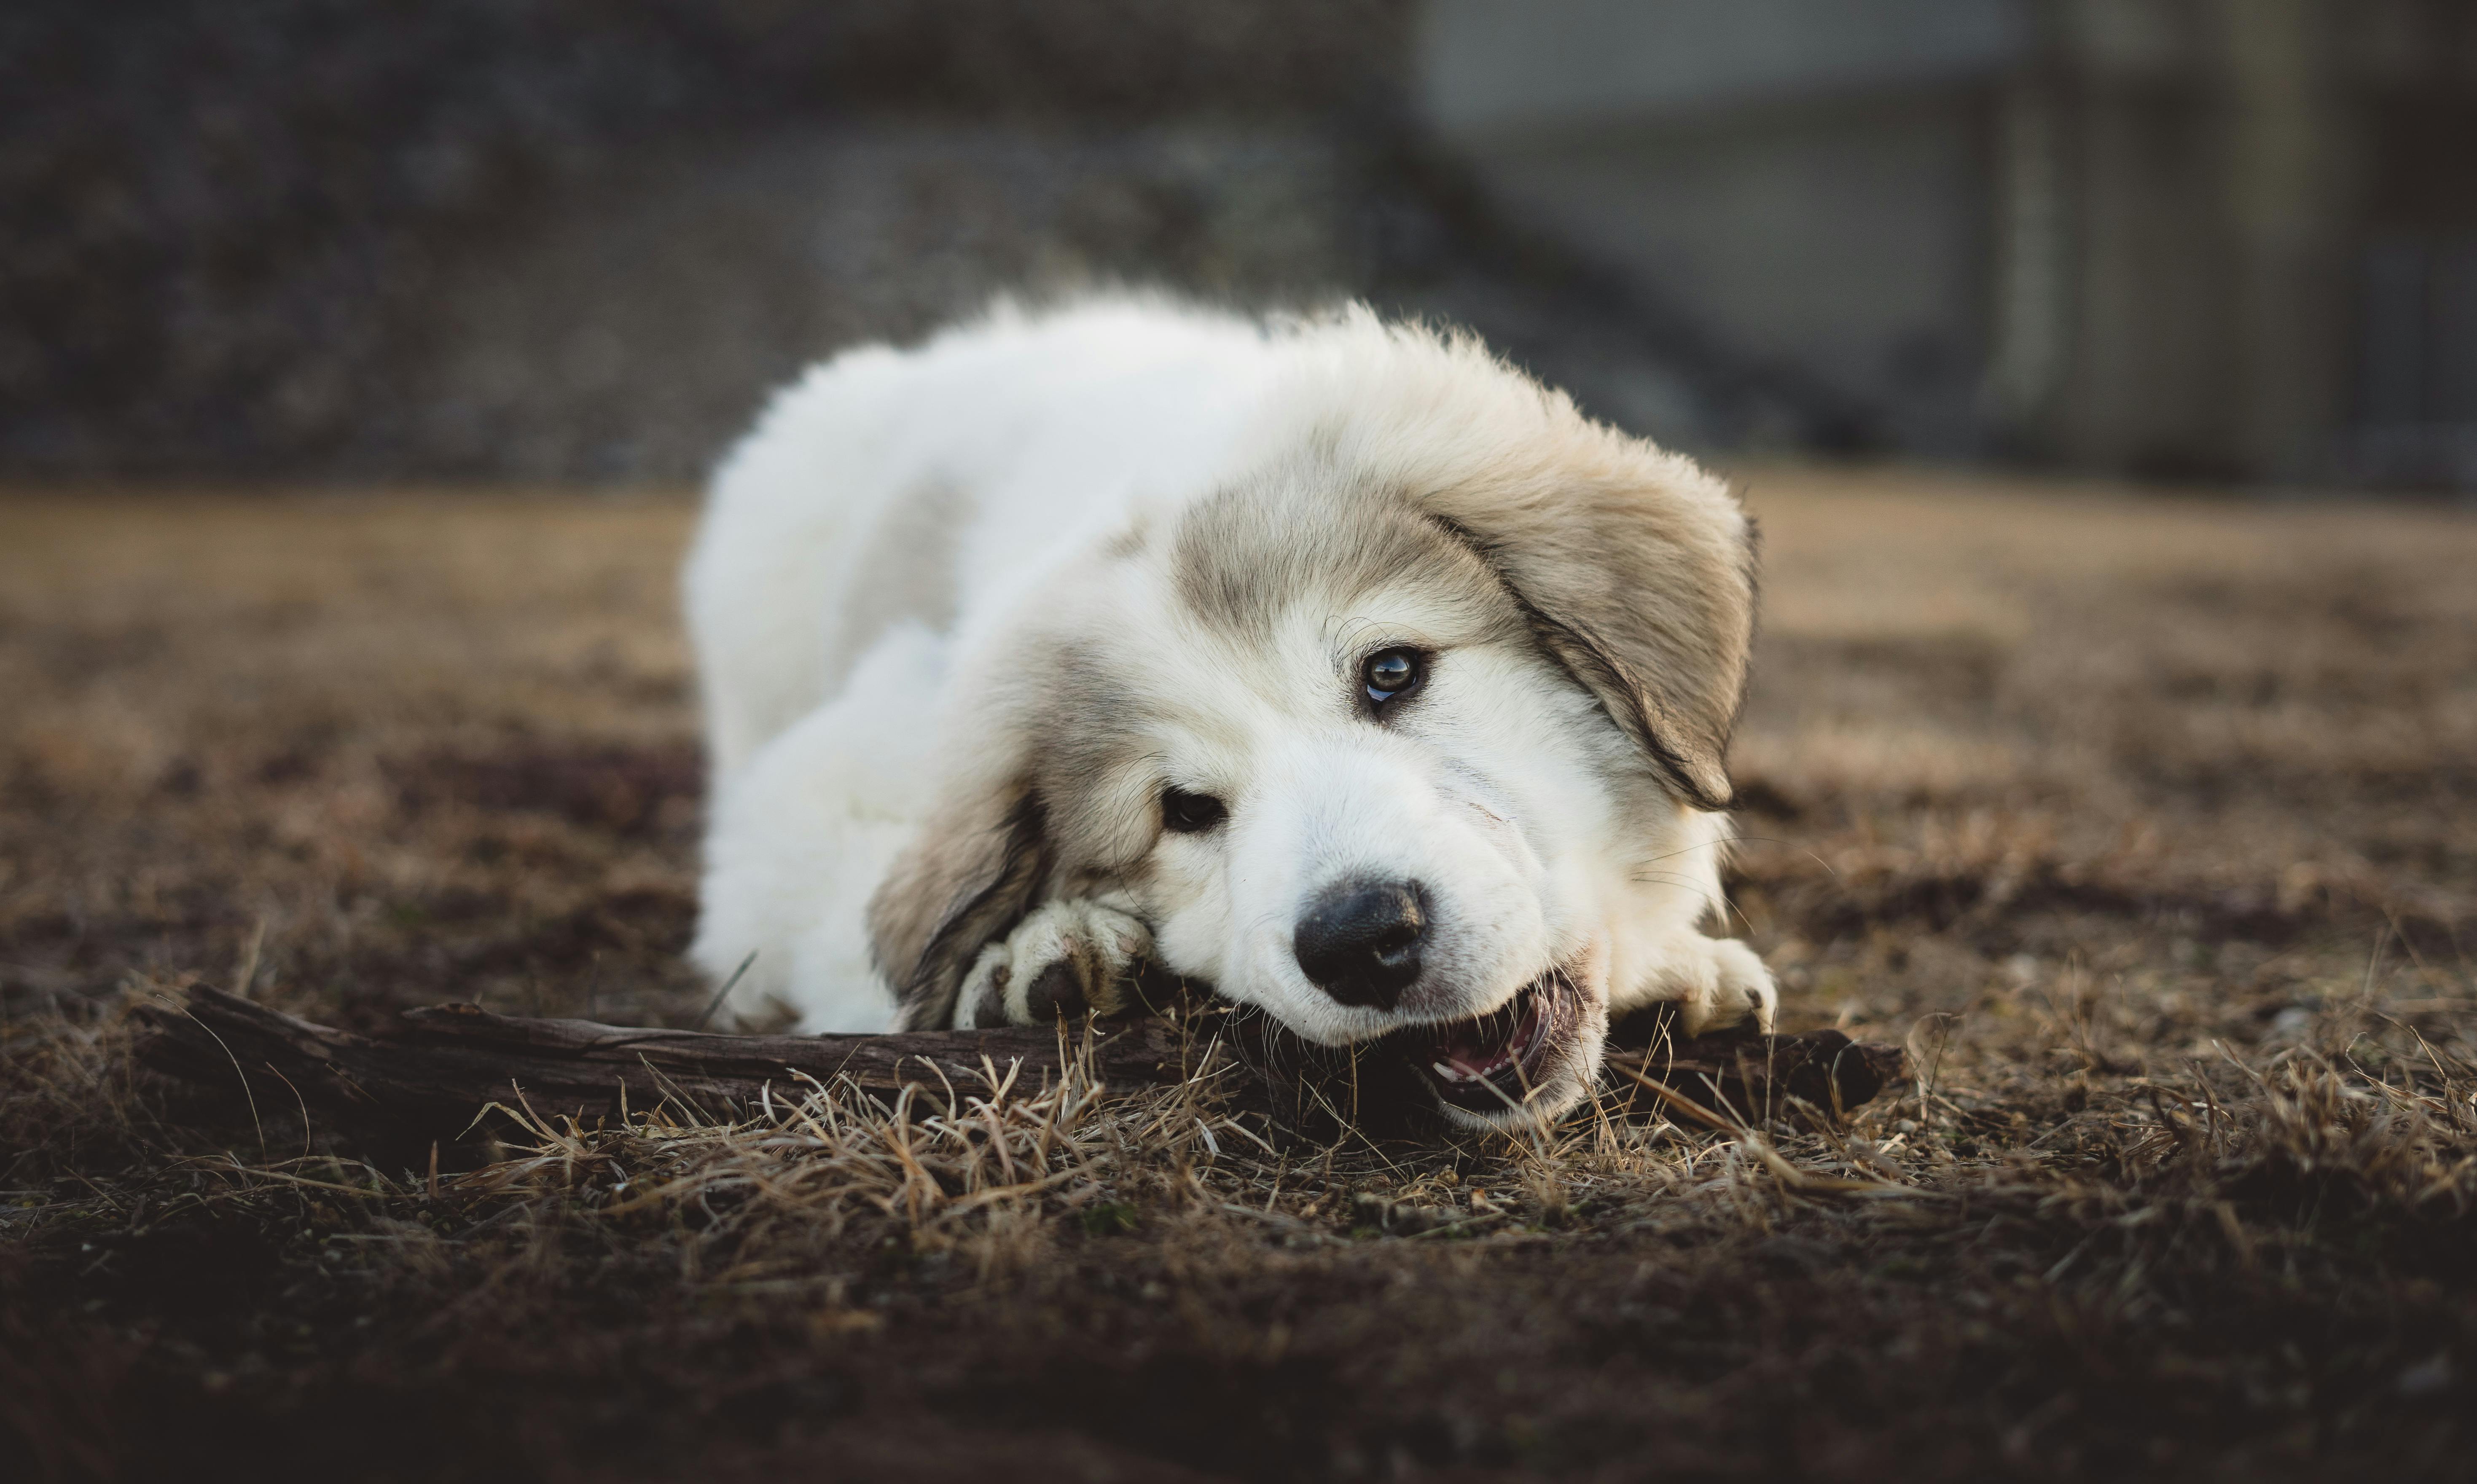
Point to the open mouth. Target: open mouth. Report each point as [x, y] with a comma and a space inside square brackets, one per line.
[1531, 1058]
[1498, 1061]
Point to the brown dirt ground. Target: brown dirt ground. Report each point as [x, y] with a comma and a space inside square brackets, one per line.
[2147, 821]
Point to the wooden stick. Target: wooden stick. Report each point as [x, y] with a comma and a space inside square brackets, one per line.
[451, 1060]
[448, 1062]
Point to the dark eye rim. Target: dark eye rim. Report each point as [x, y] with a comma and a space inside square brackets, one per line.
[1376, 696]
[1184, 813]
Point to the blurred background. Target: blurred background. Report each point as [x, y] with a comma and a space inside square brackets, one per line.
[2224, 240]
[358, 359]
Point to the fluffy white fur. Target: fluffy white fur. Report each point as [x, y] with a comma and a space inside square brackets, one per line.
[893, 562]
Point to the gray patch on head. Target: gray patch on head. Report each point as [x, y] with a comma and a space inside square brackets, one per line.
[1243, 558]
[1631, 704]
[1088, 723]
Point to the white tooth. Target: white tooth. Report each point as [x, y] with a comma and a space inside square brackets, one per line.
[1447, 1073]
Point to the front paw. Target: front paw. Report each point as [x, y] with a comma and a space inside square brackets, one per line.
[1724, 983]
[1065, 958]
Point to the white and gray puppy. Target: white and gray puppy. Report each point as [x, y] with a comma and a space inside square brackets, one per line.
[1330, 662]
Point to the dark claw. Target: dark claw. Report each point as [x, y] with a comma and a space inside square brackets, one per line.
[1058, 990]
[992, 1010]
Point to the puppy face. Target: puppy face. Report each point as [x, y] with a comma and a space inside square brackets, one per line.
[1357, 795]
[1393, 755]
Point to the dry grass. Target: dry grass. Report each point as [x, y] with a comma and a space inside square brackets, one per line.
[2147, 821]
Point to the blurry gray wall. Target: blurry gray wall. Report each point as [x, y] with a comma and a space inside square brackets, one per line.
[581, 238]
[584, 238]
[571, 239]
[2218, 237]
[1806, 176]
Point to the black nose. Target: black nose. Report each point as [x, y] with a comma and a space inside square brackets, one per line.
[1359, 941]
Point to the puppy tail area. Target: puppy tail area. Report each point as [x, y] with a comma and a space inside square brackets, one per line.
[798, 984]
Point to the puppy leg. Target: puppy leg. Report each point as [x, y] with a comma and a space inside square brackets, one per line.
[1064, 958]
[1714, 982]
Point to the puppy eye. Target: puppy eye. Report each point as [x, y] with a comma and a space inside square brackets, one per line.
[1389, 673]
[1185, 814]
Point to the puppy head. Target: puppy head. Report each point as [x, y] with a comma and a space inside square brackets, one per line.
[1387, 740]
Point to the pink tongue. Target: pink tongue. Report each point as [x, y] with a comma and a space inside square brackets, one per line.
[1466, 1053]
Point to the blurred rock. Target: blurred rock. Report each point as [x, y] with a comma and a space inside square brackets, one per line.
[551, 239]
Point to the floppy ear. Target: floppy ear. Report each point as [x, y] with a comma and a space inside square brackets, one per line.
[1640, 581]
[967, 880]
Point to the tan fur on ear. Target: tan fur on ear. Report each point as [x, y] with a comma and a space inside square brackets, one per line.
[968, 878]
[1636, 570]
